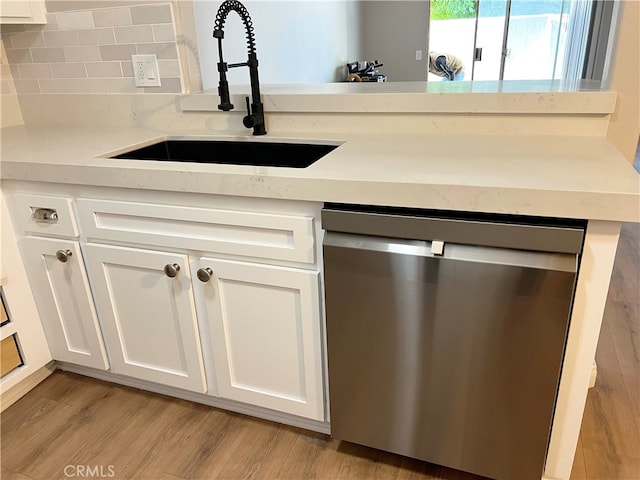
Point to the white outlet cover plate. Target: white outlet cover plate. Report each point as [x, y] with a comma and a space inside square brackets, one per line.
[145, 70]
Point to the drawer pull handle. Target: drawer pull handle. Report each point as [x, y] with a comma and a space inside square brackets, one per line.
[45, 215]
[204, 274]
[63, 255]
[171, 270]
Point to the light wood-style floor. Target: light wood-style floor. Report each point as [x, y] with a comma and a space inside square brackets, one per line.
[73, 420]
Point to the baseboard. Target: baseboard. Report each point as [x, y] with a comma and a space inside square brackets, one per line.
[20, 389]
[594, 375]
[233, 406]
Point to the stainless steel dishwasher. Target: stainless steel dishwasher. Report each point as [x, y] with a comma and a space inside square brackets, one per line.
[446, 333]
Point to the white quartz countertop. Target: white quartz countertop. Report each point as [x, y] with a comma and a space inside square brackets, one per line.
[559, 176]
[511, 96]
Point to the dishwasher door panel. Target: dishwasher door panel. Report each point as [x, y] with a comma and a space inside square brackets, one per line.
[449, 360]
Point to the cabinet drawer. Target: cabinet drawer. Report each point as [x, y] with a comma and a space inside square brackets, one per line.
[235, 232]
[44, 215]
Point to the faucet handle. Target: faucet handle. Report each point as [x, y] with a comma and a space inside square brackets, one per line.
[223, 91]
[248, 121]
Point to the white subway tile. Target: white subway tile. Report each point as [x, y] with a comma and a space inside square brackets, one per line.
[19, 55]
[27, 39]
[96, 36]
[68, 70]
[134, 34]
[87, 53]
[61, 38]
[52, 22]
[161, 50]
[117, 52]
[109, 17]
[169, 68]
[127, 68]
[123, 85]
[90, 85]
[15, 70]
[26, 85]
[56, 85]
[6, 87]
[146, 14]
[47, 55]
[164, 33]
[35, 70]
[104, 69]
[74, 20]
[167, 85]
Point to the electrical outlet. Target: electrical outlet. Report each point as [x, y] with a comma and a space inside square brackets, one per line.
[145, 70]
[418, 55]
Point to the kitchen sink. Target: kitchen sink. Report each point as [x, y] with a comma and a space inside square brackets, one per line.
[263, 154]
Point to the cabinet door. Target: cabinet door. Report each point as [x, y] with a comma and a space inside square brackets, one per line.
[148, 317]
[62, 294]
[264, 331]
[22, 11]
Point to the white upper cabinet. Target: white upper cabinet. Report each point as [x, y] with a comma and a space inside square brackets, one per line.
[22, 11]
[145, 302]
[62, 294]
[263, 327]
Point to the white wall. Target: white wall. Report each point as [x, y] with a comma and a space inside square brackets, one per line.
[301, 41]
[624, 127]
[10, 113]
[391, 32]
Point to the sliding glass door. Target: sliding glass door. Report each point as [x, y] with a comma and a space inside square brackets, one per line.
[512, 39]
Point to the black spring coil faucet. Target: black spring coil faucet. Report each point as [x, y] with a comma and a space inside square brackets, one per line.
[255, 111]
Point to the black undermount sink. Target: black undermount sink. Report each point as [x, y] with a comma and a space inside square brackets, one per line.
[262, 154]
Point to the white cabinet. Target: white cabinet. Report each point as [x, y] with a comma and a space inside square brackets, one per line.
[148, 318]
[63, 297]
[264, 332]
[22, 11]
[249, 330]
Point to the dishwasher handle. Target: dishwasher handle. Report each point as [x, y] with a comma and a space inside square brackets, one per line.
[565, 262]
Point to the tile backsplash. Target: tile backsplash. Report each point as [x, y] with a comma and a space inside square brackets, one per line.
[89, 51]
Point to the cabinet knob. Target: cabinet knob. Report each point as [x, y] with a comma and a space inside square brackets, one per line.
[171, 270]
[63, 255]
[204, 274]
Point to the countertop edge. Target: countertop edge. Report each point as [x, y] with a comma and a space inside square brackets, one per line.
[605, 206]
[456, 102]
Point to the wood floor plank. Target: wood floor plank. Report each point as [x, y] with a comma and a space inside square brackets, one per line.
[625, 279]
[579, 471]
[189, 443]
[605, 466]
[71, 389]
[97, 420]
[26, 442]
[6, 474]
[623, 322]
[608, 423]
[304, 460]
[249, 455]
[125, 444]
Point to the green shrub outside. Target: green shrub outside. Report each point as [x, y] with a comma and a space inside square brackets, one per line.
[452, 9]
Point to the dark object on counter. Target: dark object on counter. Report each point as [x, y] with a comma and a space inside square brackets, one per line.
[255, 111]
[364, 71]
